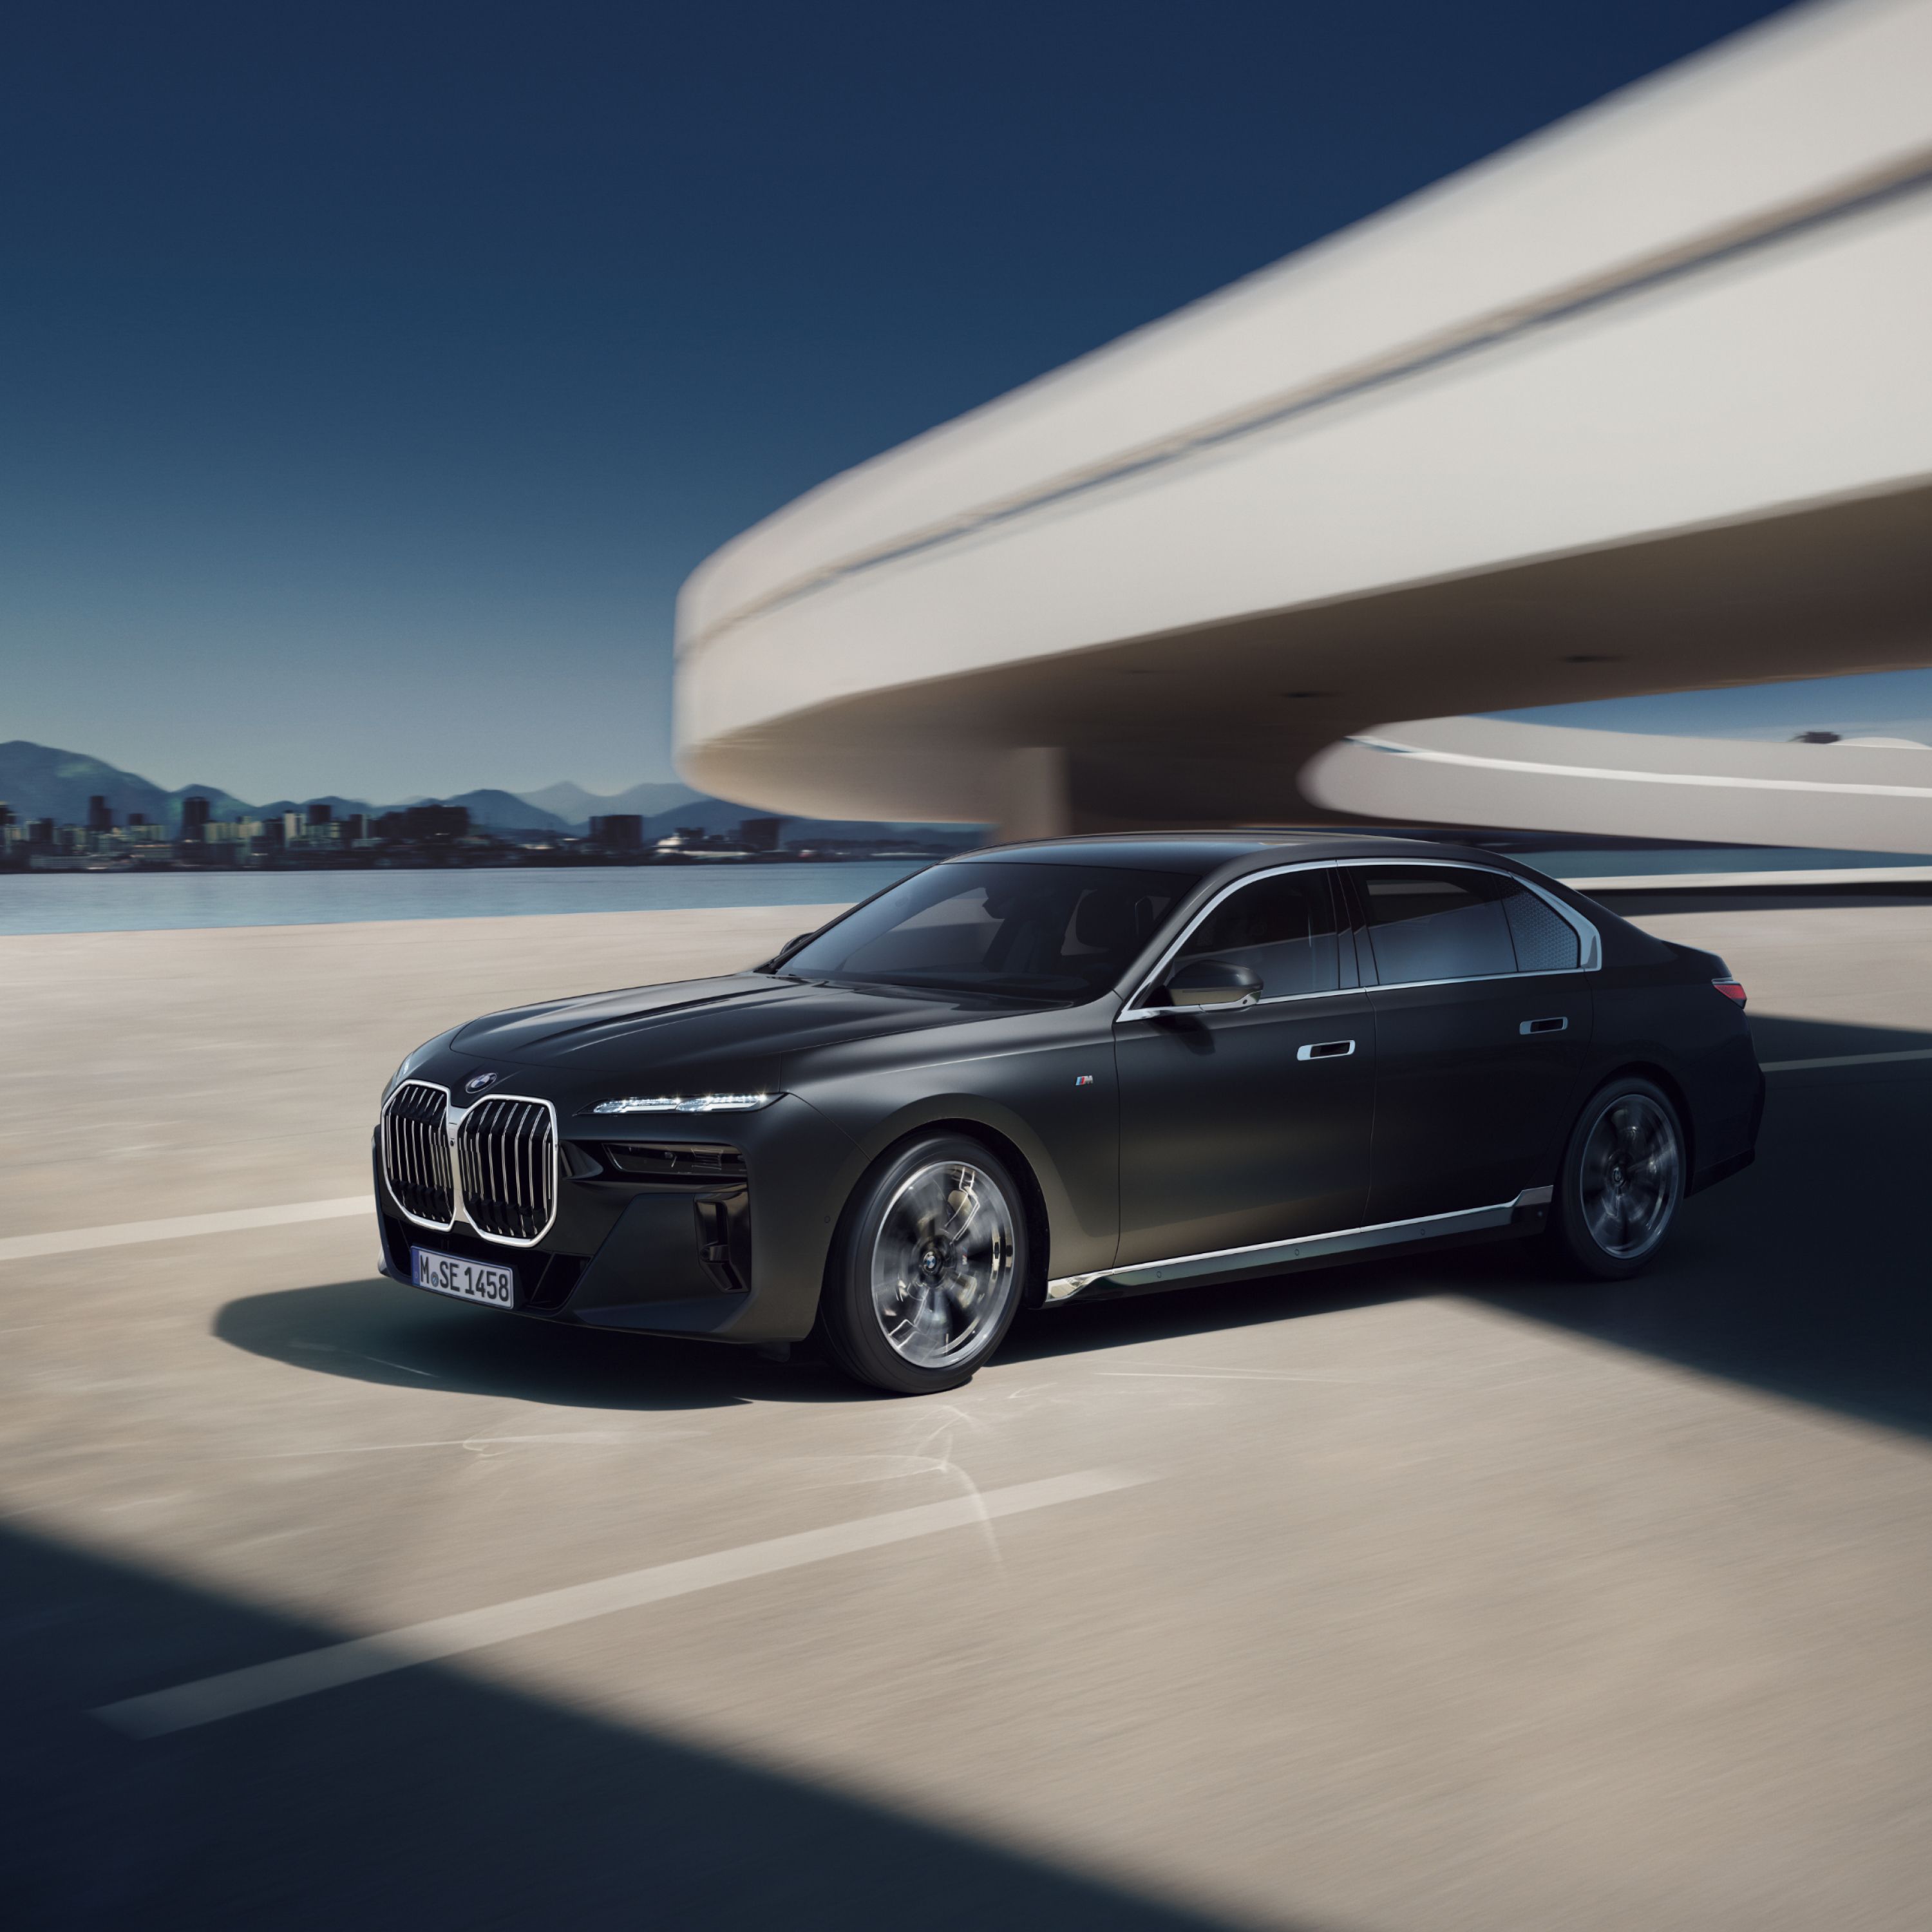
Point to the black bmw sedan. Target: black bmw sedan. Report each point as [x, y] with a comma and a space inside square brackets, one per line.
[1059, 1070]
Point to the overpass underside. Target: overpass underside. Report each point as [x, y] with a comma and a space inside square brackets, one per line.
[1642, 405]
[1216, 726]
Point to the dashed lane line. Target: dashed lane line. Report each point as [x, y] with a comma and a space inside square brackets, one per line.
[208, 1699]
[179, 1227]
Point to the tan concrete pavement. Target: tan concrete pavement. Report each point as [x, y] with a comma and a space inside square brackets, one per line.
[1457, 1598]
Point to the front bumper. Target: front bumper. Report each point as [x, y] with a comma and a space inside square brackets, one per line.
[734, 1255]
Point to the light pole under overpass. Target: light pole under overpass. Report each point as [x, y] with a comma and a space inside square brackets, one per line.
[1640, 405]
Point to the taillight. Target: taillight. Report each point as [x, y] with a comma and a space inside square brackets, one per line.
[1732, 989]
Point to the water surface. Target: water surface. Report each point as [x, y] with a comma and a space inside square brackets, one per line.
[152, 902]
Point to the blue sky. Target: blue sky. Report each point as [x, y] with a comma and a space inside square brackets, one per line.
[374, 374]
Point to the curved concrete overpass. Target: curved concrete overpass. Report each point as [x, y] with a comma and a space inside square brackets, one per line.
[1641, 405]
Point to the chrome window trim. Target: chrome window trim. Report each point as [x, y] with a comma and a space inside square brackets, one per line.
[1339, 1241]
[453, 1117]
[1590, 943]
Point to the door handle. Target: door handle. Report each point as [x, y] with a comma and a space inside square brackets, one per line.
[1555, 1023]
[1327, 1049]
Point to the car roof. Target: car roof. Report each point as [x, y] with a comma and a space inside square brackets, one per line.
[1197, 853]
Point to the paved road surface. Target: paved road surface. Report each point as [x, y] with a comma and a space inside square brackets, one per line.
[1443, 1594]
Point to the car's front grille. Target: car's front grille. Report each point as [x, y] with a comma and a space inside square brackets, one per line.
[506, 1158]
[416, 1152]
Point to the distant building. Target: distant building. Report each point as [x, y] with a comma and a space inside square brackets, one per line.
[618, 832]
[225, 834]
[100, 814]
[320, 812]
[424, 824]
[758, 834]
[194, 820]
[435, 822]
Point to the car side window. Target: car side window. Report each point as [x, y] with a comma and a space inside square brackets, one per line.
[1281, 927]
[1430, 922]
[1546, 942]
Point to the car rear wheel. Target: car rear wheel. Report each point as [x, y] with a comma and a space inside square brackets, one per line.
[1622, 1180]
[927, 1268]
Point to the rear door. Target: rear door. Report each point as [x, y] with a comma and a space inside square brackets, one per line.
[1483, 1022]
[1245, 1125]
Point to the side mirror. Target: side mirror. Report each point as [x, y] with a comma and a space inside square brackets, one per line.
[1213, 983]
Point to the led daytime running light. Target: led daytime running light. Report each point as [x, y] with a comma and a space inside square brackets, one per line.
[697, 1103]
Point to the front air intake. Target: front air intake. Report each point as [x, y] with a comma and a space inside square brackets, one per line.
[416, 1152]
[506, 1160]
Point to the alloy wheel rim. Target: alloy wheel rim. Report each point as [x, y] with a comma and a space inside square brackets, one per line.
[943, 1264]
[1632, 1169]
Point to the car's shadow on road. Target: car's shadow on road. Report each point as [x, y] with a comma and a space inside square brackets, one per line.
[379, 1331]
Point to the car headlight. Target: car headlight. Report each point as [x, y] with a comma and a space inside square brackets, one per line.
[691, 1103]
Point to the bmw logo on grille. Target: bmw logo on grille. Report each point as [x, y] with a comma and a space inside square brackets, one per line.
[477, 1082]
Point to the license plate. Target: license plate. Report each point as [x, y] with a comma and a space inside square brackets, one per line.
[472, 1281]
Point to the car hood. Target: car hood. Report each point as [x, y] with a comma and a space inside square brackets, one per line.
[744, 1019]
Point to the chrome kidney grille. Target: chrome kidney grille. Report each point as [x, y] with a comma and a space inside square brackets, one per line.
[506, 1156]
[416, 1152]
[495, 1166]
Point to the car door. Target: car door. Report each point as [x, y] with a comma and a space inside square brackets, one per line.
[1244, 1124]
[1483, 1020]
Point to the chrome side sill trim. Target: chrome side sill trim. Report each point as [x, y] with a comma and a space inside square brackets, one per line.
[1302, 1247]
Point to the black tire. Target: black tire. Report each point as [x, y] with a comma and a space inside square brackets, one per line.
[927, 1268]
[1622, 1181]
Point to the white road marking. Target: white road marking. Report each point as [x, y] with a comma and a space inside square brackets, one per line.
[1220, 1375]
[381, 1361]
[1774, 882]
[458, 1442]
[125, 1233]
[209, 1699]
[1845, 1060]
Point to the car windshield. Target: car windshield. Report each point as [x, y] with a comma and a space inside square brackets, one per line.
[1051, 934]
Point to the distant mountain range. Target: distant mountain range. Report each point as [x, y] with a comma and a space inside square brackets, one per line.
[41, 782]
[576, 806]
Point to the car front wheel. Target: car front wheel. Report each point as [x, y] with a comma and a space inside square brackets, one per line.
[1623, 1177]
[926, 1272]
